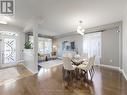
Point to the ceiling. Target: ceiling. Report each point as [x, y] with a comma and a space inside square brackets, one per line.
[57, 17]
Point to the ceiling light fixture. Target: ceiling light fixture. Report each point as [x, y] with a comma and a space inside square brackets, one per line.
[80, 30]
[4, 19]
[3, 22]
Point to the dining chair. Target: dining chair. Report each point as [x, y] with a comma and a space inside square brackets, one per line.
[69, 69]
[88, 68]
[93, 63]
[84, 57]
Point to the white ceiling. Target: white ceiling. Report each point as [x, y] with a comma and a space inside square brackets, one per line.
[61, 16]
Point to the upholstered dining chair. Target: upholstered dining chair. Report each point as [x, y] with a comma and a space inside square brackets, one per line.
[84, 57]
[69, 69]
[88, 68]
[93, 63]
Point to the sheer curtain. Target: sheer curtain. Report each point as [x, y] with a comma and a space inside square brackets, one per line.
[92, 45]
[44, 44]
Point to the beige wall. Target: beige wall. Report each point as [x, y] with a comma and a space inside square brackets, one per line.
[110, 47]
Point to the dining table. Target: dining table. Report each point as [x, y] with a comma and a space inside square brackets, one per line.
[76, 62]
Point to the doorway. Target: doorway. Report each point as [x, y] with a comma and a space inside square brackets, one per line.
[7, 51]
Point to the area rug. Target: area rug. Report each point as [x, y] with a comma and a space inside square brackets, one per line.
[51, 63]
[7, 75]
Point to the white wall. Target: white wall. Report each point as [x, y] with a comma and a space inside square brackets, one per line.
[29, 59]
[124, 40]
[20, 45]
[31, 55]
[78, 39]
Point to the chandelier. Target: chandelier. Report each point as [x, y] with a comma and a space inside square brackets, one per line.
[80, 30]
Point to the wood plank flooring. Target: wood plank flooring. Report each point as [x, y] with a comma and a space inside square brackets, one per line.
[50, 82]
[14, 73]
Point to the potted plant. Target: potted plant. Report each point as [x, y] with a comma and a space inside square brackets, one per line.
[28, 45]
[28, 48]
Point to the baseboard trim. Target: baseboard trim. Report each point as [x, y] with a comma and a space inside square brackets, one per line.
[29, 69]
[20, 61]
[115, 68]
[108, 66]
[124, 74]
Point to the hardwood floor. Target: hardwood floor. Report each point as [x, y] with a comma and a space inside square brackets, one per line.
[50, 82]
[10, 74]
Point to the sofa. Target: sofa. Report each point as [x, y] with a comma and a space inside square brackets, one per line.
[43, 57]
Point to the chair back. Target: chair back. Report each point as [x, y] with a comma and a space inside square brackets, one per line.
[67, 64]
[92, 60]
[85, 55]
[53, 53]
[90, 63]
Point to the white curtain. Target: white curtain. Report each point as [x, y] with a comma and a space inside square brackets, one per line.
[92, 45]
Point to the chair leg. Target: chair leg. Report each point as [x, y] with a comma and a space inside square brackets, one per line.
[71, 75]
[87, 75]
[93, 69]
[63, 73]
[90, 72]
[67, 75]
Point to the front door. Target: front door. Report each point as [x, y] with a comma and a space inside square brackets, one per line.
[8, 51]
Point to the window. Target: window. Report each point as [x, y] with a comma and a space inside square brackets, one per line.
[92, 45]
[44, 44]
